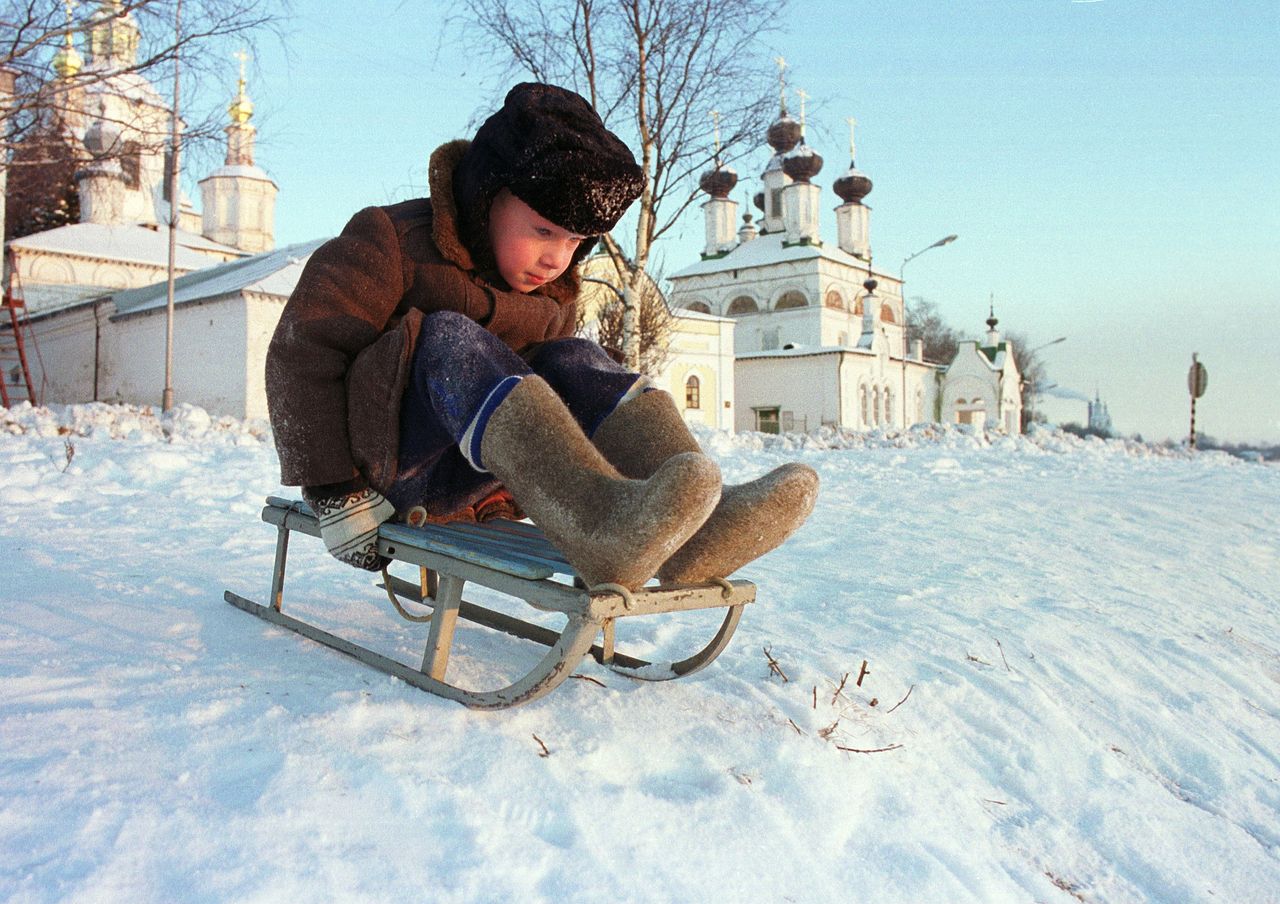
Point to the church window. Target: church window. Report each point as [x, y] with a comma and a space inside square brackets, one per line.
[743, 304]
[792, 299]
[769, 339]
[692, 392]
[888, 406]
[862, 398]
[700, 306]
[857, 307]
[775, 202]
[886, 314]
[833, 300]
[131, 164]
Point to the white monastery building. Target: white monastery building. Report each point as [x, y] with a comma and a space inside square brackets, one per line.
[821, 332]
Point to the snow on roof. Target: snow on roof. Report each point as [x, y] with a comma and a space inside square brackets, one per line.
[240, 171]
[134, 243]
[699, 315]
[769, 249]
[270, 273]
[49, 298]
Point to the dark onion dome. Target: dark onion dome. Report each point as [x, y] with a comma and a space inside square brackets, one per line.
[784, 134]
[718, 182]
[758, 201]
[870, 285]
[853, 186]
[991, 322]
[101, 138]
[802, 164]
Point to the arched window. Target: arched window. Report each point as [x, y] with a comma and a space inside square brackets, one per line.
[743, 304]
[792, 299]
[862, 399]
[692, 392]
[833, 300]
[857, 307]
[886, 314]
[700, 306]
[888, 406]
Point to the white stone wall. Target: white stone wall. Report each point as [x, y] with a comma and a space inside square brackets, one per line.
[262, 314]
[806, 386]
[66, 344]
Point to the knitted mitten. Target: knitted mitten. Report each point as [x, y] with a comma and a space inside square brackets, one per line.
[611, 529]
[751, 519]
[349, 525]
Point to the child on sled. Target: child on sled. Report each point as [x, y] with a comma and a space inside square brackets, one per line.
[425, 367]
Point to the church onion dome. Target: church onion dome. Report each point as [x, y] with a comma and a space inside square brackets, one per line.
[802, 164]
[241, 109]
[853, 186]
[784, 134]
[67, 62]
[758, 200]
[101, 139]
[718, 182]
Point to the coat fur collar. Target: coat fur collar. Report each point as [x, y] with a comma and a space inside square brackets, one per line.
[444, 221]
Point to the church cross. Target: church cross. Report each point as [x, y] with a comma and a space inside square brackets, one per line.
[782, 82]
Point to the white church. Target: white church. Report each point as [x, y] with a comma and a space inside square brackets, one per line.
[821, 332]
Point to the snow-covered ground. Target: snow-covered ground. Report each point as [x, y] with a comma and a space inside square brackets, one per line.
[1073, 692]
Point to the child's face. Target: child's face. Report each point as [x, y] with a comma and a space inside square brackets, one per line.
[530, 249]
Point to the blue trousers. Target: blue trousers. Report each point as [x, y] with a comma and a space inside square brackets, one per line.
[460, 374]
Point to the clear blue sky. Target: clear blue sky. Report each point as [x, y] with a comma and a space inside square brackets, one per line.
[1111, 168]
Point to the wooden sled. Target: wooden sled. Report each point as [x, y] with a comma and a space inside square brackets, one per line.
[513, 558]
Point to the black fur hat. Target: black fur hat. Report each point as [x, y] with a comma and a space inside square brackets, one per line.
[552, 151]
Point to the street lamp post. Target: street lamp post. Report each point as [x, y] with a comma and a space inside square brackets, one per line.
[902, 287]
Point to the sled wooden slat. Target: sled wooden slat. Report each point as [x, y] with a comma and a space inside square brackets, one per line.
[515, 559]
[486, 555]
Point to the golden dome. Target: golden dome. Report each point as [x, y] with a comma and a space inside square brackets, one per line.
[241, 108]
[67, 62]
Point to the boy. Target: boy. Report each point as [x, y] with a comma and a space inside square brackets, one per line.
[425, 365]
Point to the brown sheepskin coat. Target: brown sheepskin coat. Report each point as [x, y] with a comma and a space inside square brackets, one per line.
[338, 362]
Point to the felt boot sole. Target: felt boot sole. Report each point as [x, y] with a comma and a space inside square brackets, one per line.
[751, 518]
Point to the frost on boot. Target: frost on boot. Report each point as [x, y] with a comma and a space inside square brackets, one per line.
[610, 528]
[751, 519]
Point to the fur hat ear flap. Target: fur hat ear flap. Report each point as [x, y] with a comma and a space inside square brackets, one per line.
[550, 148]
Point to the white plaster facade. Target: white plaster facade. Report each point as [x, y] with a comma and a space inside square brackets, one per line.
[983, 388]
[700, 371]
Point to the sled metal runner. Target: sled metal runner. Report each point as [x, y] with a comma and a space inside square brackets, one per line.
[513, 558]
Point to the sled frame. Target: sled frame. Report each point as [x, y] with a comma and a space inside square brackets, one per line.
[515, 559]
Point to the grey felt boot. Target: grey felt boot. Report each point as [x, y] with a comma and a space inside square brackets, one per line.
[610, 528]
[751, 518]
